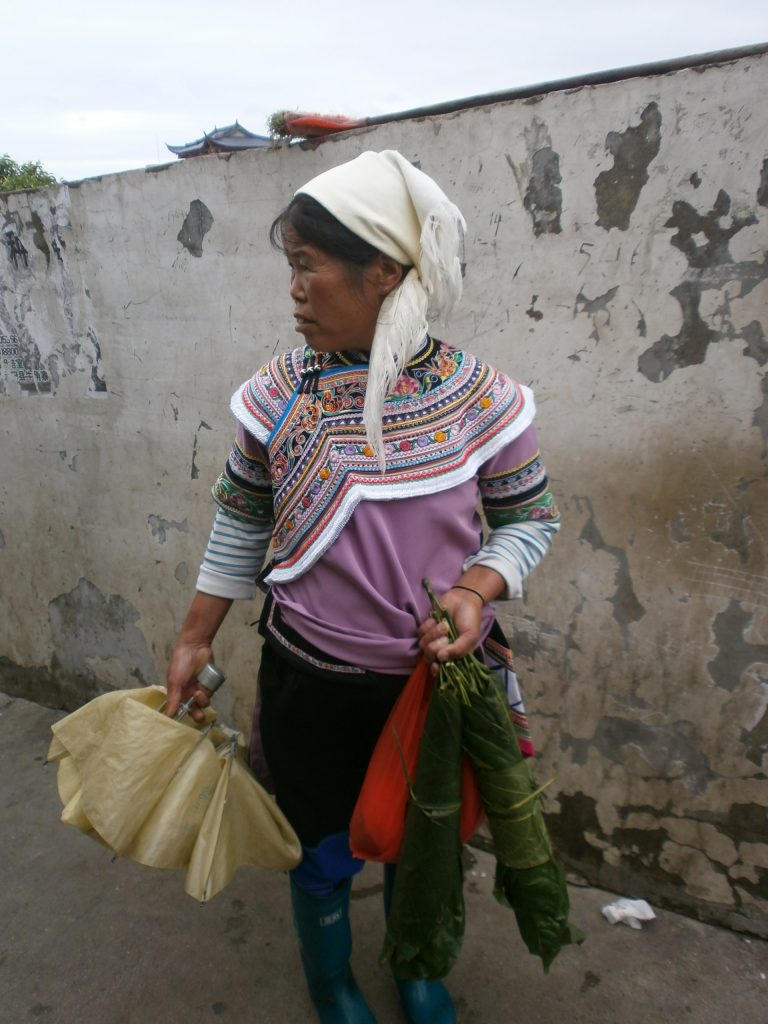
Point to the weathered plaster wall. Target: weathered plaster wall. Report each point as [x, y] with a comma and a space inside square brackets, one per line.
[616, 261]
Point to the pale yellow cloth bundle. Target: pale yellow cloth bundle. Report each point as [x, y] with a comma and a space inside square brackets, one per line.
[167, 794]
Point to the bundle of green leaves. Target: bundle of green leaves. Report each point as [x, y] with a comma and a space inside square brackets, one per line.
[425, 926]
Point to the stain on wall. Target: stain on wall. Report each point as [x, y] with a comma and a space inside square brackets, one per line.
[734, 653]
[757, 343]
[89, 631]
[14, 247]
[686, 348]
[618, 189]
[38, 236]
[195, 472]
[197, 224]
[755, 740]
[704, 240]
[760, 417]
[690, 226]
[160, 527]
[762, 190]
[592, 307]
[626, 607]
[97, 382]
[543, 197]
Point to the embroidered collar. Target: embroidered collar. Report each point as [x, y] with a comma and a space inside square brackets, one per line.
[313, 363]
[351, 357]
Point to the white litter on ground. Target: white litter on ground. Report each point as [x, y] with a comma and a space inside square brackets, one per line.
[631, 912]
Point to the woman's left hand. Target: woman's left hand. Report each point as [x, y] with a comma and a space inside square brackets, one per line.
[466, 610]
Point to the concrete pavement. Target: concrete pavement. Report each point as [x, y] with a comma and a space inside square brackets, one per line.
[89, 940]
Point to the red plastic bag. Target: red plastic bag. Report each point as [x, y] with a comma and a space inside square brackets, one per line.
[378, 820]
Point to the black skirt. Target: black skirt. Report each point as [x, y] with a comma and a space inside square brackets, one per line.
[318, 730]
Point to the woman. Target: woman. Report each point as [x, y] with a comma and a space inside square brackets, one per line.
[361, 455]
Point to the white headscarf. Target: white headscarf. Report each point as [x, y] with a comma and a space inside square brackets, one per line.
[401, 211]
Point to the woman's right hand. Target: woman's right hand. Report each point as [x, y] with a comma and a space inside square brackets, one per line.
[187, 660]
[193, 651]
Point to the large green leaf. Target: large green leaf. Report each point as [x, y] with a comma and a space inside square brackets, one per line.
[539, 898]
[425, 926]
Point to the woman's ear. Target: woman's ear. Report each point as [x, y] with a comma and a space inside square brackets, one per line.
[387, 274]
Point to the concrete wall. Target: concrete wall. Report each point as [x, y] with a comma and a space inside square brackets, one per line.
[616, 261]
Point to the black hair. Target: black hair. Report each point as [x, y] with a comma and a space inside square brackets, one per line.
[314, 224]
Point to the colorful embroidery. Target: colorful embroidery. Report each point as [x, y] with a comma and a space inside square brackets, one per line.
[301, 652]
[246, 506]
[244, 489]
[252, 471]
[447, 415]
[542, 508]
[518, 495]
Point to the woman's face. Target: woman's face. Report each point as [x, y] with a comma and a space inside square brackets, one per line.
[333, 310]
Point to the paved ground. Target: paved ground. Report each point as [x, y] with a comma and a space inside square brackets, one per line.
[88, 940]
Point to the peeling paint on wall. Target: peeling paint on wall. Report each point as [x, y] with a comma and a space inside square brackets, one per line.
[676, 861]
[711, 268]
[89, 631]
[617, 190]
[88, 624]
[97, 381]
[755, 741]
[18, 255]
[160, 527]
[543, 198]
[195, 473]
[196, 226]
[20, 362]
[538, 179]
[690, 225]
[760, 417]
[35, 353]
[626, 607]
[757, 343]
[594, 306]
[732, 530]
[686, 348]
[762, 191]
[666, 752]
[38, 236]
[734, 654]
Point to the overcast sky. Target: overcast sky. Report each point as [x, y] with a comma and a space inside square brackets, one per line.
[94, 87]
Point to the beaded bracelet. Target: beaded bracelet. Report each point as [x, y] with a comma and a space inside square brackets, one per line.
[477, 593]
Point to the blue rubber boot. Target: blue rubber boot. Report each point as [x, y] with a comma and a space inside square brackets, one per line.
[325, 943]
[424, 1002]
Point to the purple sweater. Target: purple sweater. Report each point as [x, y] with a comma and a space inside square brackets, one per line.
[363, 599]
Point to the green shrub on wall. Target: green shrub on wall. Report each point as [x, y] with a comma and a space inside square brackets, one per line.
[15, 176]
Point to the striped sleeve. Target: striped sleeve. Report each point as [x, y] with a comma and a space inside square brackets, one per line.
[520, 510]
[233, 558]
[242, 527]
